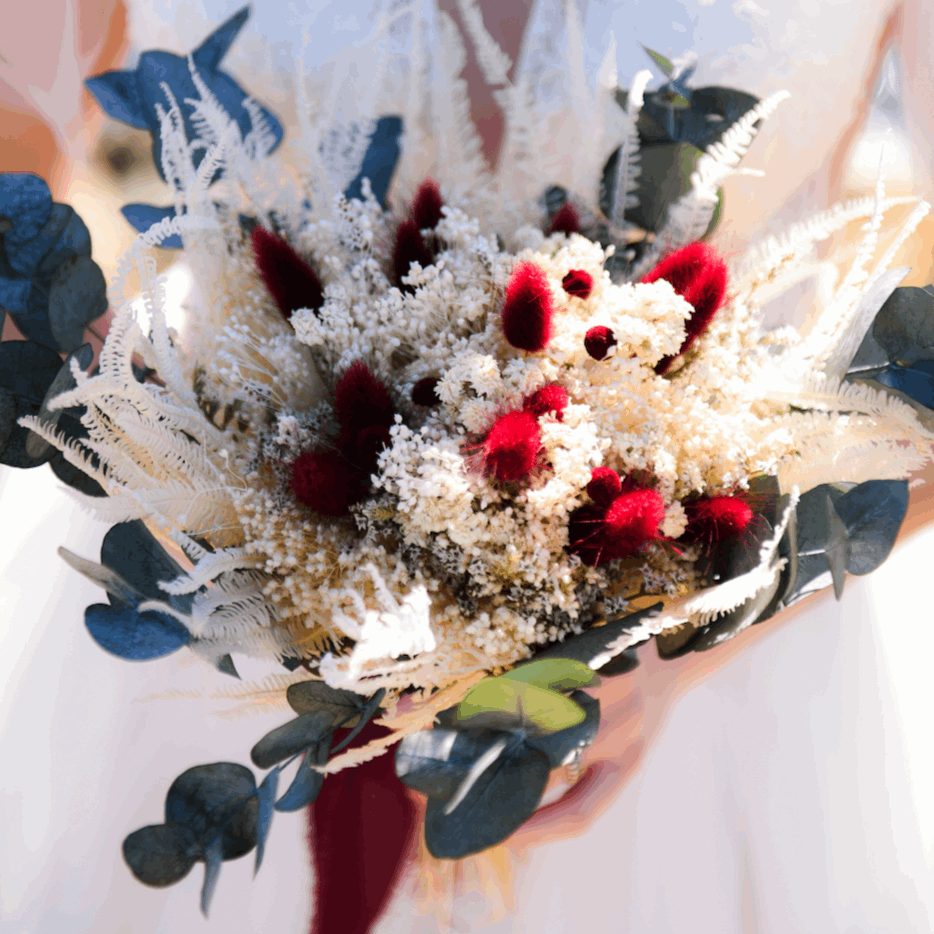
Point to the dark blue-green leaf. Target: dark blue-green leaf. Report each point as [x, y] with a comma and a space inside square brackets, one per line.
[265, 797]
[161, 854]
[291, 738]
[213, 857]
[873, 513]
[308, 696]
[216, 798]
[306, 786]
[501, 799]
[77, 296]
[26, 201]
[380, 160]
[208, 55]
[118, 95]
[129, 634]
[560, 745]
[143, 216]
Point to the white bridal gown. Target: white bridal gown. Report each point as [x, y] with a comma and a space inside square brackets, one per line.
[790, 792]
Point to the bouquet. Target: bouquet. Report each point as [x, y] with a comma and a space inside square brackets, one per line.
[447, 441]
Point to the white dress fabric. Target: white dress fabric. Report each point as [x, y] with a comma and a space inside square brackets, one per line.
[790, 792]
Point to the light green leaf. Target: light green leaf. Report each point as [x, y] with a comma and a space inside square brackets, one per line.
[557, 674]
[502, 703]
[666, 66]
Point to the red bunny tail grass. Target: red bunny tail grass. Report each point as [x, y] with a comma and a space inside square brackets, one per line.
[325, 483]
[292, 283]
[712, 519]
[578, 282]
[410, 248]
[565, 221]
[361, 400]
[425, 392]
[511, 446]
[528, 309]
[598, 341]
[599, 534]
[360, 832]
[604, 486]
[699, 275]
[426, 209]
[551, 398]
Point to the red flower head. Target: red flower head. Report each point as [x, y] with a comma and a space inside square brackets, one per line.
[410, 248]
[290, 280]
[698, 274]
[528, 309]
[578, 282]
[325, 483]
[551, 398]
[426, 209]
[565, 221]
[713, 519]
[598, 341]
[619, 523]
[511, 446]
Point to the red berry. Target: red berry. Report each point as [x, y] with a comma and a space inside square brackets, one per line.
[289, 279]
[604, 486]
[361, 401]
[325, 483]
[565, 221]
[578, 282]
[712, 519]
[699, 275]
[426, 209]
[598, 341]
[551, 398]
[528, 309]
[511, 446]
[410, 248]
[425, 392]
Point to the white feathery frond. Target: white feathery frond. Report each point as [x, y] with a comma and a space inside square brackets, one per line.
[690, 216]
[627, 166]
[493, 61]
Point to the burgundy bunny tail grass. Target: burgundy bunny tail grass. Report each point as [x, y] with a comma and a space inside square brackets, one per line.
[291, 282]
[698, 274]
[360, 831]
[410, 248]
[528, 309]
[566, 221]
[426, 209]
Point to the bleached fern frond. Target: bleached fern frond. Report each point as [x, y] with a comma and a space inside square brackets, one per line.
[765, 259]
[493, 61]
[690, 216]
[627, 168]
[222, 561]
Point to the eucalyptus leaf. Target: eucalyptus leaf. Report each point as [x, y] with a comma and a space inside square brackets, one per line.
[161, 854]
[873, 513]
[209, 54]
[143, 216]
[499, 801]
[435, 762]
[308, 696]
[556, 674]
[369, 709]
[133, 552]
[664, 64]
[219, 798]
[904, 326]
[379, 161]
[590, 645]
[291, 738]
[265, 798]
[26, 201]
[499, 703]
[77, 296]
[308, 781]
[560, 746]
[118, 96]
[36, 446]
[26, 372]
[213, 857]
[225, 665]
[125, 632]
[7, 418]
[822, 544]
